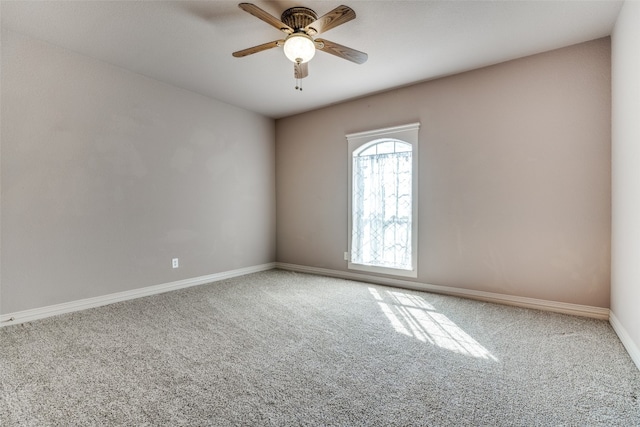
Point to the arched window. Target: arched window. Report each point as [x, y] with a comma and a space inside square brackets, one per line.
[382, 226]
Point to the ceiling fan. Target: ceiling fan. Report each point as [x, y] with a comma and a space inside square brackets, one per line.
[301, 24]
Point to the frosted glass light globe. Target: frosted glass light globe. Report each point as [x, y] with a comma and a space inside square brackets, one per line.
[299, 48]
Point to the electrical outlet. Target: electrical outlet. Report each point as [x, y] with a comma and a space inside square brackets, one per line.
[346, 256]
[174, 263]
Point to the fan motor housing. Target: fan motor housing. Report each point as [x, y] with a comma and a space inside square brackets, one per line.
[298, 17]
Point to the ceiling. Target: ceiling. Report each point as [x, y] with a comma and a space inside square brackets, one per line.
[189, 43]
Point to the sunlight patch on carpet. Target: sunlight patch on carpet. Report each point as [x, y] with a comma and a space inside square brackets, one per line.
[412, 316]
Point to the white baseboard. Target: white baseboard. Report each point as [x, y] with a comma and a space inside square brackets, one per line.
[558, 307]
[83, 304]
[629, 344]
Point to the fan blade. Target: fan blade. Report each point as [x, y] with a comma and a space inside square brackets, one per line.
[300, 71]
[342, 51]
[266, 17]
[337, 16]
[256, 49]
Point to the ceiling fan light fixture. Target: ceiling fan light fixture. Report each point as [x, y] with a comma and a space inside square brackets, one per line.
[299, 48]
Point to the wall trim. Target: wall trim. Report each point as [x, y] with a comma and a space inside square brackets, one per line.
[632, 347]
[557, 307]
[83, 304]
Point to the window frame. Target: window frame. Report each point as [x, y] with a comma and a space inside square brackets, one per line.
[405, 133]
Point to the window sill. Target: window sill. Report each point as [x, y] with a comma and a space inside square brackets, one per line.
[383, 270]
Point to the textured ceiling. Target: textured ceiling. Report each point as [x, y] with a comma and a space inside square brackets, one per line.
[189, 43]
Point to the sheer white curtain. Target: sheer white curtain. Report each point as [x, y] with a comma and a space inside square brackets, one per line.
[382, 205]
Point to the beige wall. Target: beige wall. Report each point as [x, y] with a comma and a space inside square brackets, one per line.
[625, 238]
[514, 176]
[106, 175]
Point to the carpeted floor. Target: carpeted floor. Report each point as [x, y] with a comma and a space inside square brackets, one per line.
[280, 348]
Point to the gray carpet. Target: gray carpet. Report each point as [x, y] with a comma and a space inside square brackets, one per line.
[279, 349]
